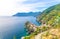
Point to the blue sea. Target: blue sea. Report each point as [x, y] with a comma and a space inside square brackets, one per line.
[14, 26]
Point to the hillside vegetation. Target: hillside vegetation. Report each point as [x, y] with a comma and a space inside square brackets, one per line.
[50, 16]
[50, 24]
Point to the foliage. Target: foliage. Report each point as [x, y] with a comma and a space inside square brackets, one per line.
[50, 17]
[14, 37]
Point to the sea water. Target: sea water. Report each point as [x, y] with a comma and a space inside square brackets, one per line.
[14, 26]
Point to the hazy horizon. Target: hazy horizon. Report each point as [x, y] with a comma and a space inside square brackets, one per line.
[10, 7]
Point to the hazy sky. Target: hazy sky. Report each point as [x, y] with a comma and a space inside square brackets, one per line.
[10, 7]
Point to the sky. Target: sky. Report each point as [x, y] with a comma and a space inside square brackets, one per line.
[11, 7]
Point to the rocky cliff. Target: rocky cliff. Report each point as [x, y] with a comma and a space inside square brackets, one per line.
[50, 25]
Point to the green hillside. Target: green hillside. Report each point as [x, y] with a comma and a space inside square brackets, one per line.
[50, 16]
[50, 25]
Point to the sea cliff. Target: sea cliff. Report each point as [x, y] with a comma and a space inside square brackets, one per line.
[50, 25]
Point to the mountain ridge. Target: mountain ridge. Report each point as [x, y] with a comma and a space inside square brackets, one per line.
[50, 14]
[27, 14]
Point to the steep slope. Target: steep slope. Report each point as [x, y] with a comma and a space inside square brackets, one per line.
[50, 16]
[50, 24]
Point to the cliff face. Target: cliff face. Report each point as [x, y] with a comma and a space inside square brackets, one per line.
[30, 28]
[50, 25]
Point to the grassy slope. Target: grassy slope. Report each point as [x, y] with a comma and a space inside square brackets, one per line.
[50, 17]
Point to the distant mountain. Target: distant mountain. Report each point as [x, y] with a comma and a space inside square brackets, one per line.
[28, 14]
